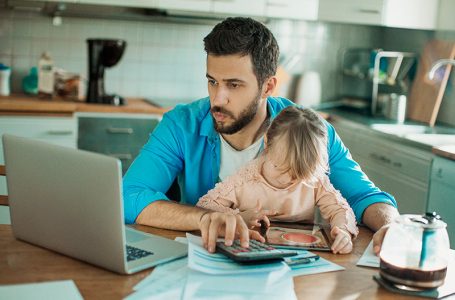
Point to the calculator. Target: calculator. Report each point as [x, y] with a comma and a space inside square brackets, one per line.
[257, 252]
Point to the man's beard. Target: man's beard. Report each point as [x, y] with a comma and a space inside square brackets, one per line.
[244, 118]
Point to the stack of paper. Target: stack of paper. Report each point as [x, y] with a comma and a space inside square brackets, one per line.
[205, 275]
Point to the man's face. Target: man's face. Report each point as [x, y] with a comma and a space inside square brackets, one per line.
[233, 91]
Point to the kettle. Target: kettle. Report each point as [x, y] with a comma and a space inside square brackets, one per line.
[415, 251]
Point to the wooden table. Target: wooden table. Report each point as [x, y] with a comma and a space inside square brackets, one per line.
[21, 262]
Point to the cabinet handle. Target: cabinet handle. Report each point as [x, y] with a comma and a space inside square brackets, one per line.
[122, 156]
[59, 132]
[114, 130]
[397, 164]
[439, 173]
[381, 158]
[369, 11]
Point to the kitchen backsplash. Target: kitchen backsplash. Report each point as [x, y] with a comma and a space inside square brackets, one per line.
[166, 61]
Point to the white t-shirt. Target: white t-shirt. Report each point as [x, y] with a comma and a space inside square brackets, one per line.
[232, 160]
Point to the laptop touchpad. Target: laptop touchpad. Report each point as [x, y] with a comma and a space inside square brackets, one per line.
[132, 236]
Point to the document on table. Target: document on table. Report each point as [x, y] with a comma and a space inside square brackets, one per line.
[319, 266]
[369, 259]
[65, 289]
[216, 263]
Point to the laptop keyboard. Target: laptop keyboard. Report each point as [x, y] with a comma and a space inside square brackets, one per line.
[133, 253]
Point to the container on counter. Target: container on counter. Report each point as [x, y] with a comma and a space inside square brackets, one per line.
[30, 82]
[45, 76]
[5, 73]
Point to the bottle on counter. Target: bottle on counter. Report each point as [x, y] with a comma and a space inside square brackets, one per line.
[45, 76]
[30, 82]
[5, 73]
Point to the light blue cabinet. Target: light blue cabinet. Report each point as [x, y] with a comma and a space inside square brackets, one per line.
[396, 168]
[442, 193]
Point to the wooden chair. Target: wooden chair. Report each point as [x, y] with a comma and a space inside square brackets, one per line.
[3, 198]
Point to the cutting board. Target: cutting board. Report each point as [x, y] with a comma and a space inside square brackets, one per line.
[426, 95]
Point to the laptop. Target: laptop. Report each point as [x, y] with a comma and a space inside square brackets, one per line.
[70, 201]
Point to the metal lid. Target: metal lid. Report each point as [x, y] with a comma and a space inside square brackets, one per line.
[431, 220]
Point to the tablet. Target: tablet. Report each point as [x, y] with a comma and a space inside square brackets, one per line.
[307, 237]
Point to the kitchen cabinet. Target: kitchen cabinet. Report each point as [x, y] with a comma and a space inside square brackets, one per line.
[117, 135]
[446, 19]
[254, 8]
[129, 3]
[185, 5]
[56, 130]
[292, 9]
[416, 14]
[400, 170]
[442, 189]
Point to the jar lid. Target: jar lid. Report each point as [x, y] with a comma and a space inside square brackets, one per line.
[4, 67]
[428, 221]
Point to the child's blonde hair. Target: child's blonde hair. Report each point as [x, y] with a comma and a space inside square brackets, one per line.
[306, 136]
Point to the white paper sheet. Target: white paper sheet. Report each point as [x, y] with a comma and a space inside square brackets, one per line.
[369, 259]
[201, 260]
[261, 286]
[65, 289]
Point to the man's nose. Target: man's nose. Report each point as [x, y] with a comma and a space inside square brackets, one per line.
[221, 97]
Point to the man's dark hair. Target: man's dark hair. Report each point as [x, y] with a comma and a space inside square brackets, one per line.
[245, 36]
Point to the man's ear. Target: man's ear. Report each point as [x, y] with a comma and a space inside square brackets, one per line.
[268, 87]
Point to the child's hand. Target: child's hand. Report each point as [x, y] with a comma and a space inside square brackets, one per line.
[342, 241]
[253, 216]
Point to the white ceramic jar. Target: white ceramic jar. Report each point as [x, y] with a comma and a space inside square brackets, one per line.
[308, 93]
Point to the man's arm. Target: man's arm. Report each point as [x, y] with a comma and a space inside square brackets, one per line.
[170, 215]
[347, 177]
[378, 216]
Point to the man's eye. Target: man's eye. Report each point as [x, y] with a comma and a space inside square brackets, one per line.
[234, 85]
[212, 82]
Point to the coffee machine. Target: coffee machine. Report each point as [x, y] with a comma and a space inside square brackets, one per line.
[103, 53]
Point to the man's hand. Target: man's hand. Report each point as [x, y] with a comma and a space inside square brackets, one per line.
[215, 224]
[378, 238]
[343, 241]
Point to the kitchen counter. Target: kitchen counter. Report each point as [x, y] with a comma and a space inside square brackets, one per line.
[25, 105]
[421, 141]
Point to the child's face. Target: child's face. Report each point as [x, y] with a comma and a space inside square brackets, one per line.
[276, 162]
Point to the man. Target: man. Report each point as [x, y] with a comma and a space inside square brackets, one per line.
[205, 141]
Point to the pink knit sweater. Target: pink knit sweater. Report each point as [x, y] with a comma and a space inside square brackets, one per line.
[248, 188]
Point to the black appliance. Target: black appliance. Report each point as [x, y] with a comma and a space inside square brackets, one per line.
[103, 53]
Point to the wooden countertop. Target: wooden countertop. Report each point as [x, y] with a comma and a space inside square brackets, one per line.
[25, 105]
[447, 151]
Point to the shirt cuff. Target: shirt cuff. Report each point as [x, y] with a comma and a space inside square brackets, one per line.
[147, 198]
[360, 207]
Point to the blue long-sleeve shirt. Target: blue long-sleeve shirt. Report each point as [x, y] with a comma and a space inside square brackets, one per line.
[185, 144]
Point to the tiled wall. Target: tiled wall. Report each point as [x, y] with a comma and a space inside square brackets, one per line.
[166, 61]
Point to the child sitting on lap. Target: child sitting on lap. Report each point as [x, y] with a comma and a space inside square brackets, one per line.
[288, 180]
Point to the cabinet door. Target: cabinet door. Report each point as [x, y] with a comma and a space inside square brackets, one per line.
[121, 138]
[292, 9]
[185, 5]
[239, 7]
[56, 130]
[446, 19]
[411, 195]
[351, 11]
[129, 3]
[416, 14]
[442, 189]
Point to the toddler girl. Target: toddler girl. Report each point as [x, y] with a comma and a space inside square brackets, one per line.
[287, 180]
